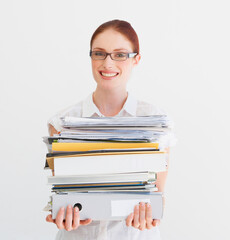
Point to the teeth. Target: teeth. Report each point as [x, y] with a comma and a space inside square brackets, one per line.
[108, 74]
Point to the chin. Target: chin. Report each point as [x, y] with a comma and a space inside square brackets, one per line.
[108, 85]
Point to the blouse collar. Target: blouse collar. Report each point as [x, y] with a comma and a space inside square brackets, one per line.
[90, 109]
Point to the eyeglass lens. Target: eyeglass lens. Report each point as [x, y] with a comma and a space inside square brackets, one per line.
[96, 55]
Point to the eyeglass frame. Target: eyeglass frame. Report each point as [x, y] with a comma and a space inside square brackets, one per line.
[128, 55]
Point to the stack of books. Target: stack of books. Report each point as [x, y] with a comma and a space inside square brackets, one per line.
[110, 162]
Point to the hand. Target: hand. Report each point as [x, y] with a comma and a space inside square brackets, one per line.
[72, 220]
[142, 217]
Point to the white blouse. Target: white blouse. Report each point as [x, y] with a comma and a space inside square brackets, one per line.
[107, 230]
[87, 108]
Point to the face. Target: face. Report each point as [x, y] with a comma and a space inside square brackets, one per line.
[110, 74]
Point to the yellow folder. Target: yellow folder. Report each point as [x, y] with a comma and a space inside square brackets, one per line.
[69, 147]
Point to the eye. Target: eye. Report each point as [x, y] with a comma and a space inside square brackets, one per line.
[120, 55]
[99, 53]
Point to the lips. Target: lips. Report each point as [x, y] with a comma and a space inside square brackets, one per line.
[108, 75]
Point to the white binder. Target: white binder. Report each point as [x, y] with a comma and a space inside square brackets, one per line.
[107, 206]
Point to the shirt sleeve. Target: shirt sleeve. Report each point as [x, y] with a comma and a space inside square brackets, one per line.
[73, 111]
[144, 109]
[55, 121]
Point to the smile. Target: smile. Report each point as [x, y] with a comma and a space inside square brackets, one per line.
[108, 74]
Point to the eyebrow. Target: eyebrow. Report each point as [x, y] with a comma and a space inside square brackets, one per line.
[115, 50]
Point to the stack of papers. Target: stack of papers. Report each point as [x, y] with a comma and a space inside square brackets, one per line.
[92, 157]
[153, 121]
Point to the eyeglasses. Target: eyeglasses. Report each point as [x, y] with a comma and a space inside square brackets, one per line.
[116, 56]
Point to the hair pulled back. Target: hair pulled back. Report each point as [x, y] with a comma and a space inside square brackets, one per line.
[122, 27]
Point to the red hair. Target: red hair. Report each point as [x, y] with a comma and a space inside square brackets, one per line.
[122, 27]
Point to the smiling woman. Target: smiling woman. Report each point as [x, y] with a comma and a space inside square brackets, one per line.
[114, 52]
[112, 75]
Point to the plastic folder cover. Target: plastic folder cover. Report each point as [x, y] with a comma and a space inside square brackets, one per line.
[107, 206]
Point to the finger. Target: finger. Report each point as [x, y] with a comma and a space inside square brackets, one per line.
[142, 216]
[49, 218]
[69, 218]
[148, 216]
[129, 220]
[76, 218]
[136, 223]
[156, 222]
[86, 221]
[59, 218]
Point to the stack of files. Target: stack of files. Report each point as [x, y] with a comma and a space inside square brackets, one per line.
[117, 129]
[111, 160]
[132, 182]
[107, 161]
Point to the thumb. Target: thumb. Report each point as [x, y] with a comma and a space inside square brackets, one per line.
[49, 218]
[156, 222]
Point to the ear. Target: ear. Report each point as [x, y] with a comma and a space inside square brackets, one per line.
[136, 60]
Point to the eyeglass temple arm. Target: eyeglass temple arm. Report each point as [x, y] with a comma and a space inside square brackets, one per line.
[130, 55]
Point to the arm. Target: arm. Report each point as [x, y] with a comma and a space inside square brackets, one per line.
[162, 176]
[72, 220]
[52, 130]
[142, 216]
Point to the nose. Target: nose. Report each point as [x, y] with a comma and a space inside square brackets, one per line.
[108, 62]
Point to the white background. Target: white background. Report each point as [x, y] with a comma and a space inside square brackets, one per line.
[45, 67]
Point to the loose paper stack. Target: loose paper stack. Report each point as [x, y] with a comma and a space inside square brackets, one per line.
[108, 159]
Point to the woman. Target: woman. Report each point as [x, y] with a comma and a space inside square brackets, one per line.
[114, 51]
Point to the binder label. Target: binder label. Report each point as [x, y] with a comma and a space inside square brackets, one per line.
[125, 207]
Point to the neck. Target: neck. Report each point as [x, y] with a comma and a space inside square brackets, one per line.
[111, 102]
